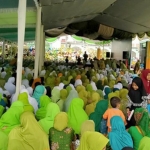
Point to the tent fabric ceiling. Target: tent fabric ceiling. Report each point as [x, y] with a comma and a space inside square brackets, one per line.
[60, 13]
[126, 17]
[81, 17]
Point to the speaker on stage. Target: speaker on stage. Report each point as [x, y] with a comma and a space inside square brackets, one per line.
[107, 54]
[125, 54]
[112, 55]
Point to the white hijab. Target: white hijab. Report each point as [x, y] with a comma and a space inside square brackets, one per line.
[78, 82]
[9, 86]
[30, 91]
[25, 82]
[42, 74]
[14, 97]
[61, 86]
[118, 86]
[94, 86]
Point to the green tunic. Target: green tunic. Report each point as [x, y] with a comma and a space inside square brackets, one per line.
[61, 140]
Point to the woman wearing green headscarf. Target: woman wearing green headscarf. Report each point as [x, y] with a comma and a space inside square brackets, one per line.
[62, 130]
[89, 88]
[99, 85]
[11, 118]
[1, 110]
[73, 94]
[41, 112]
[97, 115]
[55, 95]
[23, 97]
[3, 140]
[106, 92]
[142, 127]
[76, 114]
[47, 122]
[28, 136]
[100, 92]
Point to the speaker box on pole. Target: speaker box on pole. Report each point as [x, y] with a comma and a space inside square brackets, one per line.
[125, 54]
[107, 54]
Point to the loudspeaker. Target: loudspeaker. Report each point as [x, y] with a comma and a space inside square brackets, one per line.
[112, 55]
[107, 54]
[125, 54]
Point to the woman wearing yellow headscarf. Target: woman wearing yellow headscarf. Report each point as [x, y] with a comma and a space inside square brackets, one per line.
[48, 121]
[23, 97]
[93, 141]
[88, 125]
[123, 93]
[84, 96]
[29, 136]
[91, 107]
[76, 114]
[63, 97]
[62, 130]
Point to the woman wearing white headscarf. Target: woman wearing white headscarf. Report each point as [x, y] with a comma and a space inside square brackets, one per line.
[78, 82]
[93, 85]
[25, 82]
[14, 97]
[32, 100]
[9, 86]
[30, 91]
[118, 86]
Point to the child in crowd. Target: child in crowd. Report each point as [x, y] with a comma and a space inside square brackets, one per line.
[114, 111]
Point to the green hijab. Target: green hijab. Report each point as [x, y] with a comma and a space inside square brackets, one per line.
[51, 111]
[89, 88]
[99, 85]
[55, 95]
[23, 97]
[11, 118]
[72, 94]
[41, 112]
[97, 116]
[143, 120]
[3, 140]
[100, 92]
[144, 143]
[76, 114]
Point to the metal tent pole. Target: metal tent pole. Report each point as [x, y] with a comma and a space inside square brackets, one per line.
[41, 49]
[37, 42]
[21, 34]
[3, 51]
